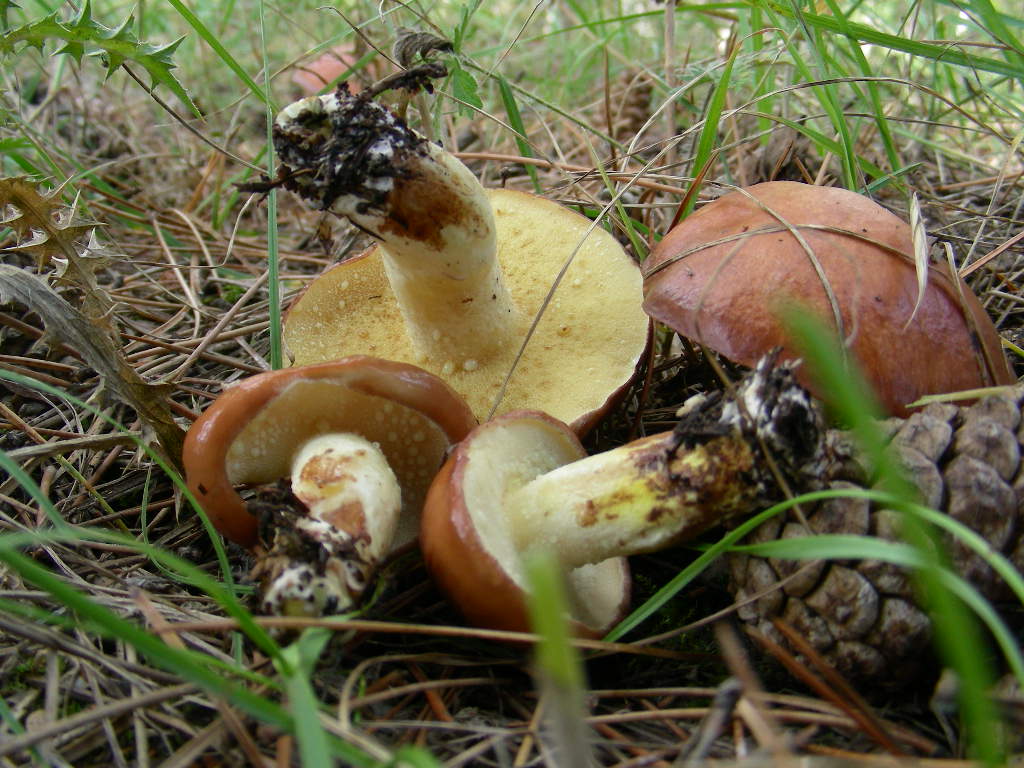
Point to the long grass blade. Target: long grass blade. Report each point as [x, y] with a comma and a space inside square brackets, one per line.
[212, 40]
[515, 119]
[956, 633]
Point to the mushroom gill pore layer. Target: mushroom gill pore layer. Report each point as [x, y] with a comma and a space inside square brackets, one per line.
[253, 431]
[468, 541]
[585, 348]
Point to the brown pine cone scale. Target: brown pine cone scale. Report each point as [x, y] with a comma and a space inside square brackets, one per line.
[861, 616]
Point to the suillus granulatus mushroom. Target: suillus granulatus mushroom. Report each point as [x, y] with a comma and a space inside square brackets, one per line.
[458, 272]
[722, 275]
[357, 442]
[522, 481]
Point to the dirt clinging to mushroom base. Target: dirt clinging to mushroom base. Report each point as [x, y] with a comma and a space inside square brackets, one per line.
[344, 145]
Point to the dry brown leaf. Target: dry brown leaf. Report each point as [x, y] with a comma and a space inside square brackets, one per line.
[99, 351]
[48, 230]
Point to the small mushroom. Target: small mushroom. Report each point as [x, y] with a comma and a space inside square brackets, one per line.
[359, 441]
[523, 481]
[459, 272]
[722, 275]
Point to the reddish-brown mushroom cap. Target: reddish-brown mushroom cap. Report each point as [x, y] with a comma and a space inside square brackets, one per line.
[253, 429]
[723, 274]
[465, 541]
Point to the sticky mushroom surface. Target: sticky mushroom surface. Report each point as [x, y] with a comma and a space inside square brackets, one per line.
[722, 276]
[253, 431]
[523, 482]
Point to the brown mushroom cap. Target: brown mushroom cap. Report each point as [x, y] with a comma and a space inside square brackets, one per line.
[582, 355]
[466, 541]
[252, 431]
[722, 275]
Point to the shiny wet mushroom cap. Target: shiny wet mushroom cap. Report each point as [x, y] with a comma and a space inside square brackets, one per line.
[342, 454]
[254, 430]
[522, 481]
[722, 276]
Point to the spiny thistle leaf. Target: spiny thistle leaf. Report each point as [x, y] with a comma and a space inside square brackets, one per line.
[49, 230]
[43, 217]
[83, 34]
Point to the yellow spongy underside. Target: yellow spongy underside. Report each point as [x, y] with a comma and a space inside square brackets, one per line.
[585, 347]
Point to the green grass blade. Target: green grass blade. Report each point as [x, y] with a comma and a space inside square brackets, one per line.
[515, 119]
[15, 727]
[273, 253]
[223, 53]
[943, 53]
[29, 485]
[876, 101]
[709, 130]
[678, 582]
[826, 92]
[157, 651]
[849, 547]
[225, 595]
[557, 665]
[218, 545]
[956, 634]
[301, 657]
[414, 757]
[995, 25]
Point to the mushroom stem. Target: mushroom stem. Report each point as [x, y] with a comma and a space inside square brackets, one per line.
[667, 488]
[353, 500]
[640, 497]
[345, 481]
[426, 210]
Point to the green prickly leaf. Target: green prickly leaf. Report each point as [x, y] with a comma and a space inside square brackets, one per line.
[84, 15]
[73, 49]
[123, 32]
[110, 60]
[115, 46]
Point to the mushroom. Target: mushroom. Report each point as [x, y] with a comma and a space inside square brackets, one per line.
[720, 277]
[523, 481]
[458, 272]
[358, 440]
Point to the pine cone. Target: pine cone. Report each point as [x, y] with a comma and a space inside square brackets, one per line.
[862, 615]
[631, 100]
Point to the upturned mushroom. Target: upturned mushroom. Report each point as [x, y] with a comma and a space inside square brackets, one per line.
[356, 442]
[458, 273]
[722, 275]
[523, 481]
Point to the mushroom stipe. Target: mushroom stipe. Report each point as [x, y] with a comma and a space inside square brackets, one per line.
[348, 448]
[521, 481]
[458, 273]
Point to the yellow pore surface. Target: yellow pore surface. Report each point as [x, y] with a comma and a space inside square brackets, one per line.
[586, 345]
[503, 456]
[413, 444]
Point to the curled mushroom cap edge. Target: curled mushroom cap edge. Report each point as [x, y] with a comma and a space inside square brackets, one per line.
[212, 436]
